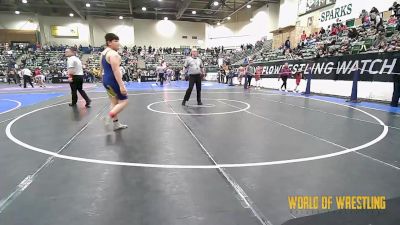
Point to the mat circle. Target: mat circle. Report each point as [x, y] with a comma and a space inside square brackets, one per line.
[18, 104]
[247, 106]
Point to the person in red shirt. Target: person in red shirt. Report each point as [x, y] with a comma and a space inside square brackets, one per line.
[284, 74]
[392, 21]
[303, 36]
[334, 30]
[342, 27]
[39, 77]
[37, 71]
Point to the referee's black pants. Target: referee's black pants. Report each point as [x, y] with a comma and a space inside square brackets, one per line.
[396, 91]
[27, 79]
[161, 77]
[77, 85]
[194, 79]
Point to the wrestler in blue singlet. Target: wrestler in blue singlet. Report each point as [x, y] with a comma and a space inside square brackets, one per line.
[109, 81]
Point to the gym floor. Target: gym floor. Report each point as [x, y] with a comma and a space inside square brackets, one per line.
[234, 160]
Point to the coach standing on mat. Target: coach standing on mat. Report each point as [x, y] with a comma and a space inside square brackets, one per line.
[75, 74]
[195, 69]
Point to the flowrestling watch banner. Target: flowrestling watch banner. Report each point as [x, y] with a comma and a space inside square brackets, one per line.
[373, 67]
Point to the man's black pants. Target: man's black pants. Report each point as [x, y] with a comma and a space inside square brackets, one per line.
[249, 77]
[284, 79]
[27, 79]
[76, 85]
[194, 79]
[396, 91]
[161, 76]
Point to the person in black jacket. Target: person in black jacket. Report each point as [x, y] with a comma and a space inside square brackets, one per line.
[374, 10]
[353, 34]
[287, 43]
[396, 9]
[322, 31]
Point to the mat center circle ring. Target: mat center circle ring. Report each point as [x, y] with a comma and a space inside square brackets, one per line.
[235, 109]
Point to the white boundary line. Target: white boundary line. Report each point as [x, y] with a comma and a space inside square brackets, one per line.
[319, 94]
[318, 138]
[244, 198]
[236, 165]
[324, 112]
[30, 178]
[10, 100]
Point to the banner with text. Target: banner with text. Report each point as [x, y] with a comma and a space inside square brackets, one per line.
[372, 66]
[64, 31]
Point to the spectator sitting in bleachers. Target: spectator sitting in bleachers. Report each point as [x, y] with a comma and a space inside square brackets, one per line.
[342, 27]
[322, 31]
[363, 15]
[396, 9]
[371, 32]
[380, 42]
[392, 22]
[345, 49]
[366, 21]
[334, 30]
[393, 46]
[377, 22]
[353, 34]
[288, 54]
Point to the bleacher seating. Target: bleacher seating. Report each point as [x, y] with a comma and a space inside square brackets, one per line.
[326, 45]
[357, 39]
[44, 59]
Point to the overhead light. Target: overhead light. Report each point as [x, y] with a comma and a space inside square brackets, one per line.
[248, 6]
[228, 18]
[144, 8]
[216, 3]
[218, 23]
[24, 1]
[160, 0]
[165, 18]
[121, 17]
[87, 5]
[194, 12]
[17, 12]
[71, 15]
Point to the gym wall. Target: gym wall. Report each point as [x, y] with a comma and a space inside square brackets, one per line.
[240, 29]
[158, 33]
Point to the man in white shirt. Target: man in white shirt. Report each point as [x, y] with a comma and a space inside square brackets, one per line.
[27, 74]
[195, 69]
[160, 72]
[75, 77]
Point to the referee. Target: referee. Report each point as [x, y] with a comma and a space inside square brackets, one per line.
[194, 67]
[75, 74]
[396, 91]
